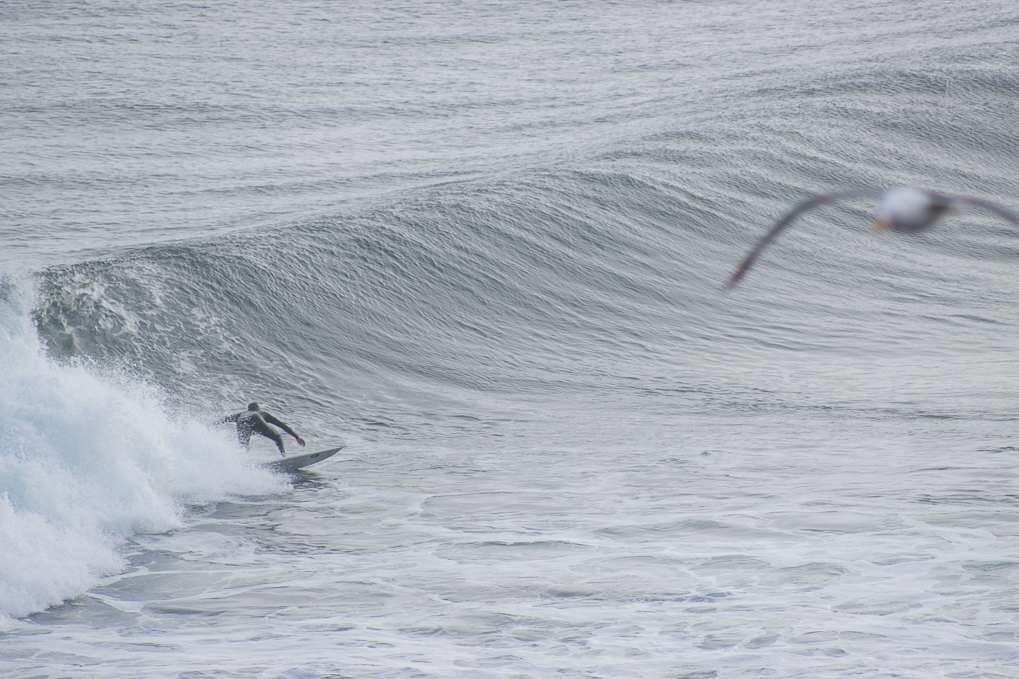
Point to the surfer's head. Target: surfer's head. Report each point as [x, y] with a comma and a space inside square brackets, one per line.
[253, 406]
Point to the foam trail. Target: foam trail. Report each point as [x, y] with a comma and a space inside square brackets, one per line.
[87, 460]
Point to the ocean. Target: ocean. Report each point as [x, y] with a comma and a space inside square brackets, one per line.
[482, 246]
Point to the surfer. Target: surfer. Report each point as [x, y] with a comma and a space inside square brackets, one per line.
[256, 420]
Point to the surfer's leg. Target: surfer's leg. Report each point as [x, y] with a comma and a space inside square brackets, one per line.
[273, 435]
[279, 443]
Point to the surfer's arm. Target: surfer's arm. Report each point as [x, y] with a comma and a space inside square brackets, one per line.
[228, 418]
[282, 425]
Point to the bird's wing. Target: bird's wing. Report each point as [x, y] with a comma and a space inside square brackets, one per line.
[987, 205]
[786, 221]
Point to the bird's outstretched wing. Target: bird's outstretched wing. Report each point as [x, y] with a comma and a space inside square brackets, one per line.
[987, 205]
[788, 219]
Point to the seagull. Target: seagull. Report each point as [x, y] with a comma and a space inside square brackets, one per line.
[902, 208]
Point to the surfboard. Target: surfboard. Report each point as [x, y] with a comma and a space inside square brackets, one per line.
[295, 462]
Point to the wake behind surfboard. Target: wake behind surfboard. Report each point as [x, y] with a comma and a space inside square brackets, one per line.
[295, 462]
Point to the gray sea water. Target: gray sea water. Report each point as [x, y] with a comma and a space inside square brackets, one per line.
[482, 245]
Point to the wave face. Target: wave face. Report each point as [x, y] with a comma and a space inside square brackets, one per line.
[475, 289]
[534, 295]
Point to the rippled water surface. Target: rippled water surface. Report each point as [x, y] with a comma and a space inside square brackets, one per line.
[481, 246]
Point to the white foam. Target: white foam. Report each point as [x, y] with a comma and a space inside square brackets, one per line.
[88, 459]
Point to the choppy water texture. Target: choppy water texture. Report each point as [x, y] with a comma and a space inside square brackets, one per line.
[483, 246]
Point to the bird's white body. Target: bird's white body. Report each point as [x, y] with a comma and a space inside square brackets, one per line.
[907, 209]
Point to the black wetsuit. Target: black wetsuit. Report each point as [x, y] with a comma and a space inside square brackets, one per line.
[258, 421]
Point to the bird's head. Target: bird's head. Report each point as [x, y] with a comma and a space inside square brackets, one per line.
[911, 210]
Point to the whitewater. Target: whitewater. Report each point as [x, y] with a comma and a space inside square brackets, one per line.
[483, 246]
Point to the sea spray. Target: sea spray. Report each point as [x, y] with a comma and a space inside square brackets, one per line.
[87, 459]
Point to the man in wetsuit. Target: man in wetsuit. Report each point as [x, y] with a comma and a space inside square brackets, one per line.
[256, 420]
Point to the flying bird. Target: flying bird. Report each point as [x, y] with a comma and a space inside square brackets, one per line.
[901, 209]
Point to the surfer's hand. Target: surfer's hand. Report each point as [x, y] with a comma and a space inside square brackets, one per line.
[301, 441]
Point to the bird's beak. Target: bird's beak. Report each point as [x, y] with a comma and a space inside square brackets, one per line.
[882, 224]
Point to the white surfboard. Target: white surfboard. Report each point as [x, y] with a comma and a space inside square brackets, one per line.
[295, 462]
